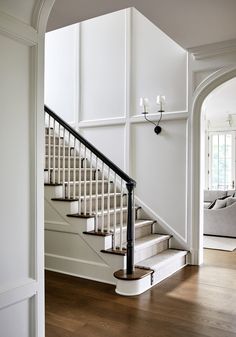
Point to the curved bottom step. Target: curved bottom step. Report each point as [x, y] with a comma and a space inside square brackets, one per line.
[152, 271]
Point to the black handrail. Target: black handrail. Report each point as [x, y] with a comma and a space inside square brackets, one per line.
[91, 147]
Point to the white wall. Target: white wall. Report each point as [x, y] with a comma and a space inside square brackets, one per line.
[123, 56]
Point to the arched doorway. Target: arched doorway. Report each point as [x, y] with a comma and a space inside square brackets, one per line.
[196, 166]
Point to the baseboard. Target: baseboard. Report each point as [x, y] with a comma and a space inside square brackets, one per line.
[80, 268]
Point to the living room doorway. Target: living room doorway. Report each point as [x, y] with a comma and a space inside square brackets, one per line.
[219, 115]
[202, 159]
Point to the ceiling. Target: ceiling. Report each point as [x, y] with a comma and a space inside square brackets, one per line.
[190, 23]
[221, 102]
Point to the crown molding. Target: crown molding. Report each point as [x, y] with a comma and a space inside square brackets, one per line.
[18, 30]
[213, 49]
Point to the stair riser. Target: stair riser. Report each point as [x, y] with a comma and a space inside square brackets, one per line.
[77, 175]
[118, 203]
[57, 150]
[140, 232]
[77, 162]
[88, 188]
[151, 250]
[169, 269]
[47, 130]
[112, 219]
[57, 140]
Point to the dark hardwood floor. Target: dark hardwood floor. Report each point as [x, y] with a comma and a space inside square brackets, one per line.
[194, 302]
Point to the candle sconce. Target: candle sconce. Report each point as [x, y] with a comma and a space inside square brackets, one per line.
[144, 104]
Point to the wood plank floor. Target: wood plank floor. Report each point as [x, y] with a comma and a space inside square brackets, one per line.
[195, 302]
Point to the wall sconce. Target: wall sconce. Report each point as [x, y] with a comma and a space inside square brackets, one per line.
[144, 103]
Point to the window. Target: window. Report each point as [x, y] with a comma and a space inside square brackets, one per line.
[221, 155]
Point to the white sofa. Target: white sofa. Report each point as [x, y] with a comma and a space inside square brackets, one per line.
[220, 222]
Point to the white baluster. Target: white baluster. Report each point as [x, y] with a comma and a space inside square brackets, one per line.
[63, 161]
[102, 201]
[68, 166]
[96, 192]
[74, 168]
[121, 214]
[49, 150]
[108, 202]
[59, 156]
[114, 217]
[54, 155]
[90, 185]
[80, 168]
[85, 185]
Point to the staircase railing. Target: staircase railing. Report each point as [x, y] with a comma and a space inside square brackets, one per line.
[88, 176]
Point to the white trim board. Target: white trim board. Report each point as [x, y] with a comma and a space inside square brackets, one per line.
[102, 122]
[18, 293]
[167, 116]
[213, 49]
[18, 30]
[85, 269]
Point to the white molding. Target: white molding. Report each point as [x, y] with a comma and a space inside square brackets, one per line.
[213, 49]
[102, 122]
[17, 30]
[80, 268]
[41, 14]
[167, 116]
[77, 75]
[127, 84]
[17, 293]
[39, 21]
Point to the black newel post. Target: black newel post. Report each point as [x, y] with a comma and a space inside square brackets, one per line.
[130, 230]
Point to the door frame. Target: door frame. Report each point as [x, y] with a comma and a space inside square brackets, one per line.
[196, 167]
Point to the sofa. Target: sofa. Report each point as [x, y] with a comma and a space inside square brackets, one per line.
[220, 221]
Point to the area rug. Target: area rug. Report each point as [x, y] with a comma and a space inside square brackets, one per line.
[219, 243]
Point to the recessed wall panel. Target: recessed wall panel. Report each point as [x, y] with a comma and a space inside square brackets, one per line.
[159, 167]
[158, 67]
[15, 197]
[103, 67]
[15, 320]
[109, 140]
[61, 59]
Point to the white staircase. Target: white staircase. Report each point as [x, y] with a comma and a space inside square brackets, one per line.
[86, 216]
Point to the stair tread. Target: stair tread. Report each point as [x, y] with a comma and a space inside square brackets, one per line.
[150, 240]
[57, 145]
[86, 181]
[87, 197]
[157, 261]
[99, 212]
[71, 169]
[100, 195]
[66, 157]
[65, 199]
[112, 210]
[138, 223]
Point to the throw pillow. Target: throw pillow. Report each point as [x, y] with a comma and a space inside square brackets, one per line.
[213, 203]
[230, 201]
[220, 204]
